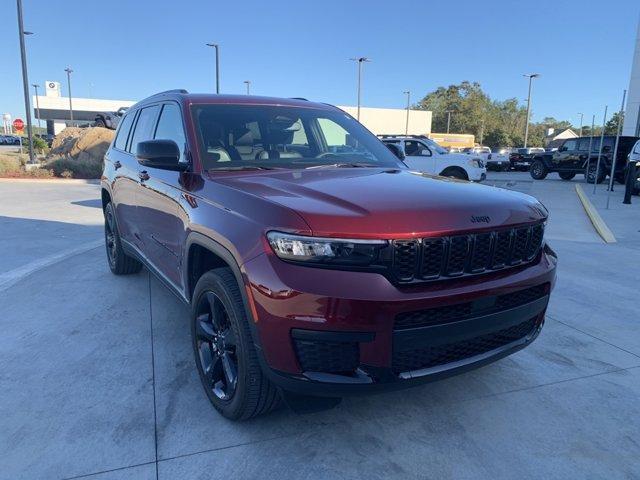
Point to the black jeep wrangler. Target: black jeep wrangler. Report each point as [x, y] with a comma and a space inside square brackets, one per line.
[573, 157]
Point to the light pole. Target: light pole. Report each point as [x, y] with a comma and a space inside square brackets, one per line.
[531, 76]
[581, 117]
[448, 112]
[25, 78]
[360, 61]
[217, 47]
[35, 87]
[248, 84]
[406, 127]
[69, 71]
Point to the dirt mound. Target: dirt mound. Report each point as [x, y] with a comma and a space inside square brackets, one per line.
[89, 144]
[79, 152]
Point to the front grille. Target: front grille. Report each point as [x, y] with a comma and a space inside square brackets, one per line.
[463, 311]
[452, 256]
[328, 357]
[434, 356]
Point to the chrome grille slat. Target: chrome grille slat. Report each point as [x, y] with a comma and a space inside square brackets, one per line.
[436, 258]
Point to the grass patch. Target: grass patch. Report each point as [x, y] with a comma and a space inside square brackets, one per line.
[72, 168]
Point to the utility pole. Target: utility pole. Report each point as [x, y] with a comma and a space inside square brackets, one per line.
[360, 61]
[448, 112]
[217, 47]
[35, 87]
[530, 76]
[25, 79]
[581, 116]
[248, 83]
[615, 148]
[69, 71]
[406, 127]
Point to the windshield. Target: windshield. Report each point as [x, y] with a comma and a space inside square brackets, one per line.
[236, 137]
[434, 146]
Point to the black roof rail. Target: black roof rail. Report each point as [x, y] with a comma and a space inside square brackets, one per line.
[393, 135]
[300, 98]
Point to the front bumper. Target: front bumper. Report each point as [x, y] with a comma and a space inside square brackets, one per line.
[311, 317]
[477, 174]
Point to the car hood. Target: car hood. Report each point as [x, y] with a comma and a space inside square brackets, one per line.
[386, 203]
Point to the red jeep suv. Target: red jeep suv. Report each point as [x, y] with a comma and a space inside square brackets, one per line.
[316, 264]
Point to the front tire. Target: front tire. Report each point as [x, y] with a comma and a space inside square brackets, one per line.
[455, 172]
[566, 175]
[100, 123]
[538, 170]
[225, 356]
[119, 262]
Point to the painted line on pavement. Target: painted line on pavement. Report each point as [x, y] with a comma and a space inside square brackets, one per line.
[597, 221]
[10, 278]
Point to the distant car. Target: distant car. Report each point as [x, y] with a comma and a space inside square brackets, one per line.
[634, 156]
[9, 140]
[109, 119]
[424, 155]
[573, 157]
[522, 158]
[500, 160]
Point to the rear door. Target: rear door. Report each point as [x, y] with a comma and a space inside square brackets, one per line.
[125, 179]
[419, 157]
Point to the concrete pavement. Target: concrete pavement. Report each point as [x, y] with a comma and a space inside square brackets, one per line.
[98, 377]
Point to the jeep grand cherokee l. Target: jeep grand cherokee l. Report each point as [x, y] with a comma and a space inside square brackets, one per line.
[316, 264]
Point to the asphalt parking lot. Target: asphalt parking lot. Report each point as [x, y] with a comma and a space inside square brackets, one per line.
[98, 380]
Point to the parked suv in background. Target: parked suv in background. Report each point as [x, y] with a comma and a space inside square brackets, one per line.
[109, 119]
[425, 155]
[572, 157]
[315, 263]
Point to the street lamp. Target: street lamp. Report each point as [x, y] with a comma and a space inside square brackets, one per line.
[406, 127]
[448, 112]
[35, 87]
[69, 71]
[248, 84]
[217, 47]
[25, 78]
[530, 76]
[581, 117]
[360, 61]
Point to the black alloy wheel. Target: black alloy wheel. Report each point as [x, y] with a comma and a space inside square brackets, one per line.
[216, 347]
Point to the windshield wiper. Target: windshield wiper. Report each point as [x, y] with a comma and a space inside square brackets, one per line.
[342, 165]
[244, 167]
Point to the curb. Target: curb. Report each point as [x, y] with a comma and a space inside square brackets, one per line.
[51, 180]
[597, 221]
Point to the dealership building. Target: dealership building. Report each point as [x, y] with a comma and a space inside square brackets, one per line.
[632, 115]
[53, 108]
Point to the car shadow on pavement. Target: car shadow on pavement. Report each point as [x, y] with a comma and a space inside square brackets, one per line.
[95, 203]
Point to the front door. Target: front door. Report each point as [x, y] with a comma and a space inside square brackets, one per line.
[419, 157]
[567, 155]
[159, 201]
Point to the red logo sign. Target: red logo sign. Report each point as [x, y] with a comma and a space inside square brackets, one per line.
[18, 124]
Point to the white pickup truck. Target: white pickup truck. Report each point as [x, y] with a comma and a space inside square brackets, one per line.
[425, 155]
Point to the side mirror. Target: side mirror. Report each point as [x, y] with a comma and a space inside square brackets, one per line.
[162, 154]
[396, 150]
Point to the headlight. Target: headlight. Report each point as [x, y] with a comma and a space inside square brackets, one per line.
[475, 163]
[330, 251]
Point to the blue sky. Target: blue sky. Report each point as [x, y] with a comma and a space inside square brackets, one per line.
[125, 49]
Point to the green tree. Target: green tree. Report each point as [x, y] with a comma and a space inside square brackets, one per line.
[611, 127]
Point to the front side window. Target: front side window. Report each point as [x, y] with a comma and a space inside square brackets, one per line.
[144, 127]
[569, 145]
[170, 127]
[123, 131]
[636, 149]
[235, 137]
[583, 144]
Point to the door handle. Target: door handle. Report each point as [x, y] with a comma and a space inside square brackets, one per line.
[143, 175]
[117, 164]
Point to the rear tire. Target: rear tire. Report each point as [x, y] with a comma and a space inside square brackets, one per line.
[538, 170]
[591, 173]
[119, 262]
[455, 172]
[566, 175]
[100, 123]
[224, 350]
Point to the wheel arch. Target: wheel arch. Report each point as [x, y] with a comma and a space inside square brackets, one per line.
[456, 168]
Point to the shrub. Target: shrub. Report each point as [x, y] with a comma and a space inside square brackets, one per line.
[82, 168]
